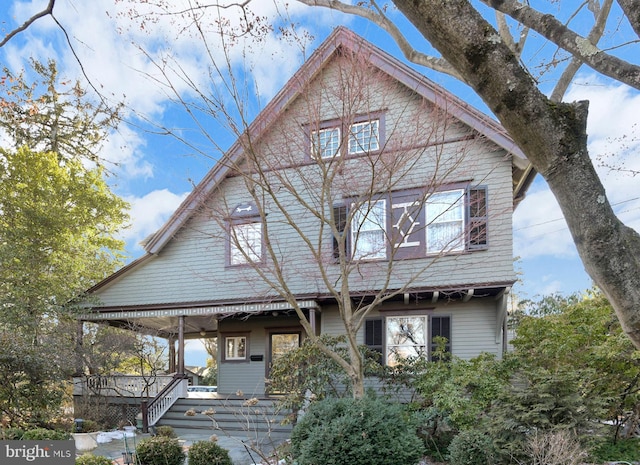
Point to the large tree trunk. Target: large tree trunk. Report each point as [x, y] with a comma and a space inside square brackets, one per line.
[552, 135]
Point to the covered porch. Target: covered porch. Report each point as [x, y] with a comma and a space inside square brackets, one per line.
[178, 324]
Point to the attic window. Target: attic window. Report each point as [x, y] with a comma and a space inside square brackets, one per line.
[364, 137]
[245, 235]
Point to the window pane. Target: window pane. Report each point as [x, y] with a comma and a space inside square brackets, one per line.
[445, 221]
[236, 348]
[406, 337]
[326, 142]
[364, 137]
[246, 238]
[283, 343]
[368, 231]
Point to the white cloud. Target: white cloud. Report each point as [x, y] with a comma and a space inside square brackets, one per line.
[539, 227]
[148, 214]
[613, 128]
[124, 153]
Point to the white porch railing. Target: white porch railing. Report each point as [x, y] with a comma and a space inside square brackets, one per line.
[120, 386]
[163, 402]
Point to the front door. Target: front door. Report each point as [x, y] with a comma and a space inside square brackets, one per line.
[279, 344]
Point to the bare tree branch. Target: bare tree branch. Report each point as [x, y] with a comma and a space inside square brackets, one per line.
[582, 48]
[46, 12]
[594, 37]
[377, 17]
[631, 10]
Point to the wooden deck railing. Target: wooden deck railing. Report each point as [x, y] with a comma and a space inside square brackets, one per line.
[121, 386]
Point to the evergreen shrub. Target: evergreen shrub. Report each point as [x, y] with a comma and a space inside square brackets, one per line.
[208, 453]
[39, 434]
[355, 432]
[471, 447]
[166, 431]
[160, 450]
[89, 459]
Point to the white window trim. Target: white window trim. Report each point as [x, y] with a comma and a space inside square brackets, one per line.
[421, 348]
[453, 244]
[238, 340]
[245, 243]
[373, 145]
[359, 227]
[334, 139]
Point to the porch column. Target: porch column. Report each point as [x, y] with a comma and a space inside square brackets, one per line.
[312, 320]
[172, 355]
[180, 345]
[79, 341]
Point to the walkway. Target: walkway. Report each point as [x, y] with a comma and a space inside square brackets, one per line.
[238, 453]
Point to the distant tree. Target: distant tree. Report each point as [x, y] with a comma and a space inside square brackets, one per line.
[53, 114]
[58, 233]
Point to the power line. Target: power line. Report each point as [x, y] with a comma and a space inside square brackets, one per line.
[562, 218]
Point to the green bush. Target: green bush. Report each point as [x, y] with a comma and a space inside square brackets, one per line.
[45, 434]
[166, 431]
[88, 459]
[11, 434]
[622, 449]
[471, 447]
[89, 426]
[355, 432]
[208, 453]
[160, 450]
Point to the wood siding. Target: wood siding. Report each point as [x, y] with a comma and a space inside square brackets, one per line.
[473, 324]
[193, 266]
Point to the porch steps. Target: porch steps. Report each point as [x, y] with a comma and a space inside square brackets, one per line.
[234, 417]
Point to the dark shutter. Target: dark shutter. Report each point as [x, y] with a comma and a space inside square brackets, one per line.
[440, 327]
[340, 217]
[477, 211]
[373, 336]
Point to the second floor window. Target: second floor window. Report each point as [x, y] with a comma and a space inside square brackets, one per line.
[413, 227]
[325, 143]
[445, 221]
[364, 137]
[368, 231]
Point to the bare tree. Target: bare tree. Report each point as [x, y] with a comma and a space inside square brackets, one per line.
[303, 217]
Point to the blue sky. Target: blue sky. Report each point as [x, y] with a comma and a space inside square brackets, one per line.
[155, 173]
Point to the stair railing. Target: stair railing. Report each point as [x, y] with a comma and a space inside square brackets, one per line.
[162, 402]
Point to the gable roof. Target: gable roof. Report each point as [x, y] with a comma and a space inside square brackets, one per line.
[342, 38]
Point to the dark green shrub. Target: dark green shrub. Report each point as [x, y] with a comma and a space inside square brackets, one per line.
[89, 426]
[208, 453]
[355, 432]
[622, 449]
[160, 450]
[471, 447]
[88, 459]
[45, 434]
[166, 431]
[11, 434]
